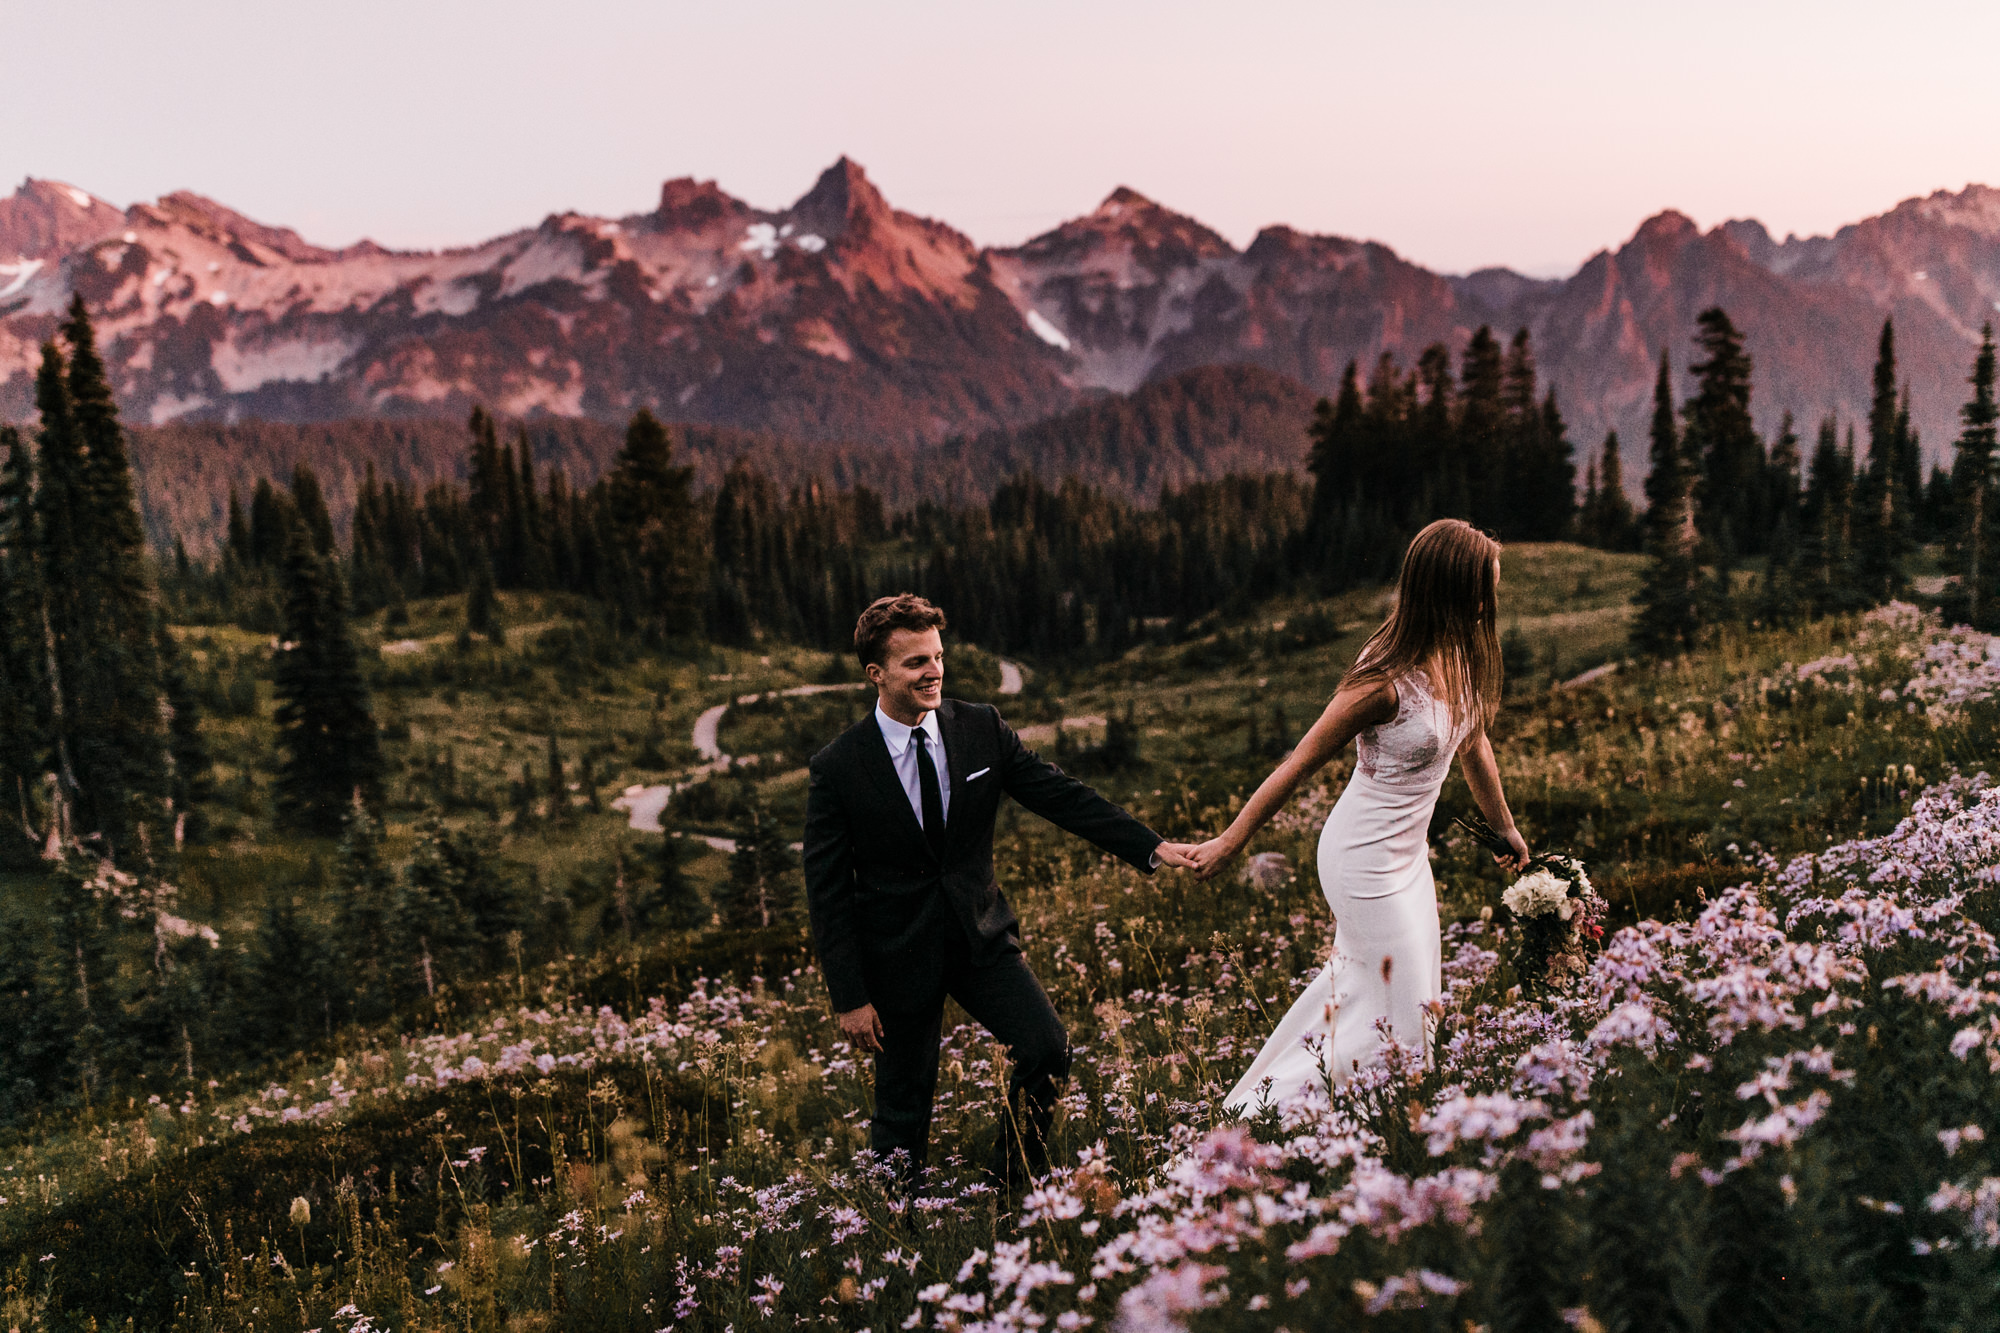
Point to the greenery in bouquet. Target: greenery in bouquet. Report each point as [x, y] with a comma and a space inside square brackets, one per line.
[1558, 917]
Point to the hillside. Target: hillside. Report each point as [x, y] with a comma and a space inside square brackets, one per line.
[1194, 426]
[1775, 1096]
[842, 318]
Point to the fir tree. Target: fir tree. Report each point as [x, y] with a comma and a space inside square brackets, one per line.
[1781, 600]
[236, 544]
[1730, 492]
[24, 717]
[309, 503]
[1609, 521]
[1482, 427]
[482, 604]
[1826, 519]
[650, 504]
[192, 780]
[1882, 527]
[364, 899]
[1975, 556]
[103, 678]
[762, 891]
[1670, 611]
[325, 725]
[1332, 458]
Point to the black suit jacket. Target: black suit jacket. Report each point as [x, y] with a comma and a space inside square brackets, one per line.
[876, 890]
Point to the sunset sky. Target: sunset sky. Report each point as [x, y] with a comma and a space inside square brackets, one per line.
[1527, 134]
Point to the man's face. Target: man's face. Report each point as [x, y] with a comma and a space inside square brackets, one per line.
[910, 677]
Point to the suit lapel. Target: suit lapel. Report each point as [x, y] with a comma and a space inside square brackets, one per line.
[881, 770]
[957, 758]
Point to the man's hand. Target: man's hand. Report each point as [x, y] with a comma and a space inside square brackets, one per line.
[862, 1027]
[1176, 854]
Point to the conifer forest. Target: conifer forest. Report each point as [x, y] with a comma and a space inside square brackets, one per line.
[403, 927]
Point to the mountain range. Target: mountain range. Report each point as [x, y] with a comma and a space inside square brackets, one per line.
[844, 319]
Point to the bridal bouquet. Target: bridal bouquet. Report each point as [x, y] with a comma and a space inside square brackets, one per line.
[1558, 915]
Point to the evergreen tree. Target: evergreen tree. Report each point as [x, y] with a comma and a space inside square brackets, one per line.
[192, 777]
[1882, 527]
[1670, 611]
[1609, 521]
[325, 725]
[104, 681]
[762, 891]
[1826, 519]
[309, 502]
[24, 719]
[1482, 427]
[1973, 552]
[237, 545]
[656, 542]
[272, 517]
[1782, 577]
[1730, 500]
[482, 604]
[364, 900]
[1332, 458]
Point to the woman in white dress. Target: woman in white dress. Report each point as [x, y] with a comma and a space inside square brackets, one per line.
[1422, 690]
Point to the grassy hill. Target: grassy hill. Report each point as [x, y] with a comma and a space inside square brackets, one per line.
[598, 1127]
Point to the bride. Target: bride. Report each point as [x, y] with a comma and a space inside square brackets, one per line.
[1423, 689]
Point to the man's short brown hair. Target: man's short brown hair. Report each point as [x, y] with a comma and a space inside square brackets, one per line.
[886, 615]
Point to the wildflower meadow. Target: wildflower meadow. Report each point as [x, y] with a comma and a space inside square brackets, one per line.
[1765, 1103]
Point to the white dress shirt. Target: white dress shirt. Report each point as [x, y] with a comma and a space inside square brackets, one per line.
[904, 756]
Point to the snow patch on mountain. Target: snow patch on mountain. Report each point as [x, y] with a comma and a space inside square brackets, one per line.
[1046, 331]
[245, 365]
[15, 276]
[78, 197]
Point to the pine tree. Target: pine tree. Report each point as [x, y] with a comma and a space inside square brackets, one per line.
[309, 502]
[762, 891]
[1730, 493]
[1882, 506]
[104, 682]
[192, 781]
[1482, 427]
[237, 545]
[1826, 519]
[1333, 459]
[325, 725]
[1781, 600]
[1975, 556]
[1612, 523]
[364, 898]
[650, 504]
[482, 604]
[1670, 610]
[24, 717]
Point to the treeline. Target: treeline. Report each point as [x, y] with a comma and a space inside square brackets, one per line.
[1055, 571]
[1834, 532]
[1194, 426]
[1482, 444]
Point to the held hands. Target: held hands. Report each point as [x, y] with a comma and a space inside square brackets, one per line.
[1175, 854]
[1209, 858]
[862, 1027]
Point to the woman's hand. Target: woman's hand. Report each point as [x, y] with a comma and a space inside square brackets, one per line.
[1209, 857]
[1519, 858]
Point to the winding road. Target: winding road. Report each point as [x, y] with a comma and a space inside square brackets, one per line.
[644, 805]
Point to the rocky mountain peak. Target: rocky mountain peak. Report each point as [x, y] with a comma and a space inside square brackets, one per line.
[842, 198]
[46, 219]
[687, 204]
[201, 214]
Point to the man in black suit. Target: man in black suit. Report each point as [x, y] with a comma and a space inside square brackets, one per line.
[899, 879]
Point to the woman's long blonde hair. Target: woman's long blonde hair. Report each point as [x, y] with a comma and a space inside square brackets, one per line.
[1445, 620]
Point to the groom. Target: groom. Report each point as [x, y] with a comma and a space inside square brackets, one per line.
[899, 879]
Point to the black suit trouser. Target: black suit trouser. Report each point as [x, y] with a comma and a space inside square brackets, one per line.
[1004, 997]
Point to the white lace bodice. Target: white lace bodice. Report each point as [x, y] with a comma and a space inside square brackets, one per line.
[1416, 747]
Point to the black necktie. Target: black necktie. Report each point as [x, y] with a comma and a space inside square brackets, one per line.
[927, 787]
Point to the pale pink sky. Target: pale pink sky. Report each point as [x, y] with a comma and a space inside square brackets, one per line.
[1528, 134]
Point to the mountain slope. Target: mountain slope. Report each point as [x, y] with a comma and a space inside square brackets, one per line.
[841, 318]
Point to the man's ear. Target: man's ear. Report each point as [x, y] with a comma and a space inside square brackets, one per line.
[874, 673]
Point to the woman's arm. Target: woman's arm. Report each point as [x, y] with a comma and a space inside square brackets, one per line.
[1352, 709]
[1482, 774]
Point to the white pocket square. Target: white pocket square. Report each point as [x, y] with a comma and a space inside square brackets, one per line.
[972, 777]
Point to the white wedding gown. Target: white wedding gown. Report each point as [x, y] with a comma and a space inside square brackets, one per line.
[1374, 867]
